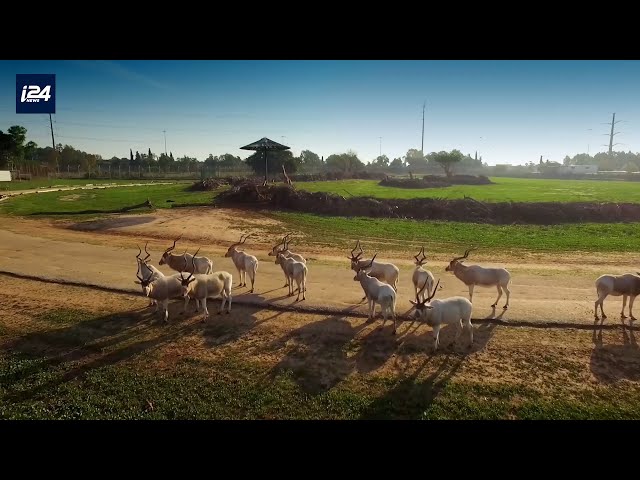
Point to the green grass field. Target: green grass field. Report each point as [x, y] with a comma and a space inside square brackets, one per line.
[48, 183]
[71, 364]
[394, 234]
[505, 189]
[78, 201]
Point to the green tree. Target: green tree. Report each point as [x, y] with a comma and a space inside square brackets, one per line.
[344, 162]
[310, 159]
[396, 164]
[415, 158]
[275, 161]
[381, 161]
[447, 160]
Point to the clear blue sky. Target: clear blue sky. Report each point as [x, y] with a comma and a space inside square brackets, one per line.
[510, 111]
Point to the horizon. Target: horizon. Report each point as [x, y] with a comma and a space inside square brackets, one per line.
[510, 112]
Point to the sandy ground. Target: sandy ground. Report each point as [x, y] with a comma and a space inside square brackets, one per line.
[102, 252]
[321, 350]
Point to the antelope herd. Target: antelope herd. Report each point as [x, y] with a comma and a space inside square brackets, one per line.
[379, 282]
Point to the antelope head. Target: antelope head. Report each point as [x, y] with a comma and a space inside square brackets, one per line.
[362, 271]
[423, 258]
[458, 260]
[166, 253]
[355, 258]
[422, 306]
[276, 248]
[236, 245]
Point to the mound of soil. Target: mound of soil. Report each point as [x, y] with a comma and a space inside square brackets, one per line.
[215, 183]
[328, 176]
[460, 210]
[434, 181]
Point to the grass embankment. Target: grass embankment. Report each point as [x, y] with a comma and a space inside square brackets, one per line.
[503, 190]
[103, 200]
[395, 234]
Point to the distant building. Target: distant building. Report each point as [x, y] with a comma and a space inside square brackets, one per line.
[579, 169]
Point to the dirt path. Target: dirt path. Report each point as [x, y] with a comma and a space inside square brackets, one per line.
[102, 252]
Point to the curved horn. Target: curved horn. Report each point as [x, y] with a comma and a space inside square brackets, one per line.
[184, 269]
[355, 248]
[466, 254]
[139, 252]
[245, 238]
[174, 244]
[193, 262]
[435, 289]
[146, 251]
[370, 263]
[420, 293]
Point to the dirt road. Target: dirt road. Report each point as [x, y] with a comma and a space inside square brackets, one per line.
[102, 252]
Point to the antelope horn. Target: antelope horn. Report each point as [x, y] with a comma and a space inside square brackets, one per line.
[420, 292]
[435, 289]
[139, 252]
[355, 248]
[371, 262]
[174, 244]
[466, 254]
[193, 262]
[146, 251]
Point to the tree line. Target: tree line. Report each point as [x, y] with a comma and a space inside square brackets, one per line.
[24, 155]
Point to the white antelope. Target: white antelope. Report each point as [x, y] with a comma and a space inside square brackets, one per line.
[146, 269]
[162, 290]
[448, 311]
[286, 253]
[627, 285]
[422, 277]
[210, 285]
[243, 262]
[177, 262]
[386, 272]
[294, 271]
[472, 275]
[376, 291]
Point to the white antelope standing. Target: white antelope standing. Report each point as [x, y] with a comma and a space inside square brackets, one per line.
[283, 247]
[294, 271]
[386, 272]
[162, 290]
[243, 262]
[177, 262]
[376, 291]
[145, 269]
[627, 285]
[210, 285]
[422, 277]
[472, 275]
[448, 311]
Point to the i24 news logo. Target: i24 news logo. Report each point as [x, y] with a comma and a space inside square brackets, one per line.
[36, 93]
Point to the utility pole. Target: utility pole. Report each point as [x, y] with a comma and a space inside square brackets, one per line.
[422, 145]
[165, 142]
[53, 142]
[611, 134]
[380, 145]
